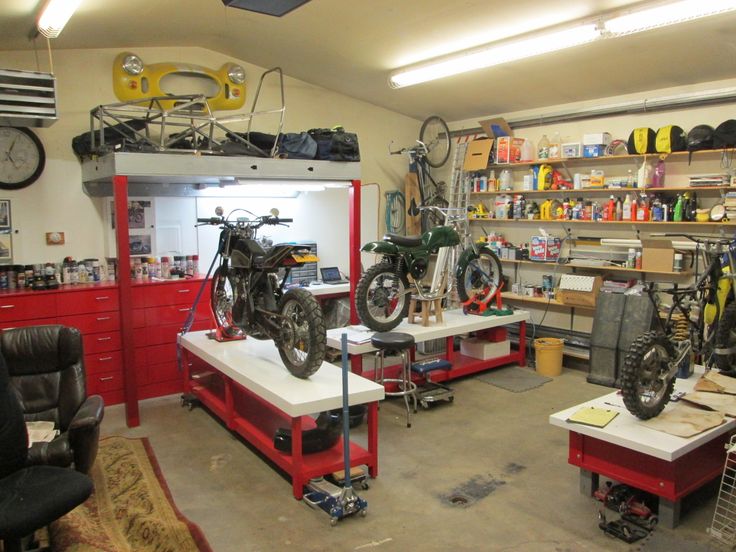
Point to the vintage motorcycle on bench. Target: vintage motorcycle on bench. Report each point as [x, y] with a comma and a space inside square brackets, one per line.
[384, 291]
[249, 295]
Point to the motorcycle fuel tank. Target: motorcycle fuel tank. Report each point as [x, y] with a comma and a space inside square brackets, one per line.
[440, 236]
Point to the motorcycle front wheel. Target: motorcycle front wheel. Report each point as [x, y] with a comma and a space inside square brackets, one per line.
[645, 382]
[382, 298]
[480, 278]
[303, 336]
[222, 299]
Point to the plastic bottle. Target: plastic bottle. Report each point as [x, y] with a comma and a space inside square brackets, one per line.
[630, 182]
[165, 268]
[643, 175]
[527, 151]
[691, 208]
[658, 176]
[677, 263]
[631, 258]
[619, 210]
[642, 211]
[610, 212]
[555, 146]
[638, 260]
[626, 212]
[543, 147]
[506, 180]
[544, 178]
[195, 265]
[678, 209]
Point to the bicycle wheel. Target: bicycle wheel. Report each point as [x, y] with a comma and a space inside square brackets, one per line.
[436, 136]
[480, 278]
[645, 382]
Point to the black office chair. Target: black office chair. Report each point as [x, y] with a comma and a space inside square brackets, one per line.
[30, 497]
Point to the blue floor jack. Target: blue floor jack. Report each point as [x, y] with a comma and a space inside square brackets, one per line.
[338, 502]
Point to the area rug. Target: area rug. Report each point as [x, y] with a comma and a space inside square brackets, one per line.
[513, 378]
[131, 509]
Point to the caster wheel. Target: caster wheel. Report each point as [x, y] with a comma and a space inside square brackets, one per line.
[333, 521]
[425, 405]
[451, 399]
[364, 512]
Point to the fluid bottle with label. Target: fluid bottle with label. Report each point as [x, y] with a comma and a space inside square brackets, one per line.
[527, 151]
[658, 176]
[678, 209]
[626, 213]
[555, 146]
[619, 209]
[543, 147]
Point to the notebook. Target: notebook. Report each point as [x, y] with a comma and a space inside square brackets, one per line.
[331, 275]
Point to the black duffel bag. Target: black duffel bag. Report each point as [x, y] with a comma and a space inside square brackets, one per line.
[334, 144]
[116, 137]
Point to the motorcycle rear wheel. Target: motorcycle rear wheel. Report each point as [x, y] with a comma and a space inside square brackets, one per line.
[480, 278]
[303, 336]
[645, 384]
[222, 299]
[382, 307]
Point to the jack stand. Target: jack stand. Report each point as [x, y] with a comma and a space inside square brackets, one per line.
[333, 500]
[222, 335]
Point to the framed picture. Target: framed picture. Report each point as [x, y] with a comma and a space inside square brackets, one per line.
[140, 244]
[4, 214]
[6, 248]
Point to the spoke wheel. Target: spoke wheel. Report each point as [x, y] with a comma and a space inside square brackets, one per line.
[435, 135]
[381, 298]
[645, 382]
[222, 300]
[303, 336]
[480, 278]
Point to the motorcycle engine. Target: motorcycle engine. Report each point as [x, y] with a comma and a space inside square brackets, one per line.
[418, 268]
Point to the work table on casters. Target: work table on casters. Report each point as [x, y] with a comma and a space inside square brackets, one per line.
[626, 451]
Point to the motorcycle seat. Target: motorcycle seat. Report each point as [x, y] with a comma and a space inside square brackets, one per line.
[405, 241]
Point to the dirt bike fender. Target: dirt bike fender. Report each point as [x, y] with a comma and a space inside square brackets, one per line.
[469, 254]
[380, 248]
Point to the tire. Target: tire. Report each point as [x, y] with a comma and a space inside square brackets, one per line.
[303, 336]
[222, 299]
[379, 307]
[644, 383]
[480, 278]
[726, 339]
[436, 136]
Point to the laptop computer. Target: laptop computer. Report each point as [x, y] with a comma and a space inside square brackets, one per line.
[331, 275]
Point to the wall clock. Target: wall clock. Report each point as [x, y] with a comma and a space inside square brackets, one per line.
[22, 158]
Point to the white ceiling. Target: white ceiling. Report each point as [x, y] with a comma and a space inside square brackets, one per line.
[351, 46]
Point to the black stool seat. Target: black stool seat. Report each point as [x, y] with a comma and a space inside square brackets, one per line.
[34, 497]
[395, 341]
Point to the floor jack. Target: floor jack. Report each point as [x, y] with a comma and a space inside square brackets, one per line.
[338, 502]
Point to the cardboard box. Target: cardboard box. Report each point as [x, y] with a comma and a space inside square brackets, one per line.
[572, 150]
[597, 150]
[657, 255]
[597, 138]
[496, 127]
[477, 154]
[579, 291]
[544, 248]
[508, 149]
[484, 350]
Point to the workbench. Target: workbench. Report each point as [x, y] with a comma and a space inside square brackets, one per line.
[626, 451]
[455, 322]
[246, 384]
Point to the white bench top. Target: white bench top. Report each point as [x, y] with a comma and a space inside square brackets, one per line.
[257, 366]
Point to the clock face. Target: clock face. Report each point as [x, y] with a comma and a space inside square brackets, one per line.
[22, 158]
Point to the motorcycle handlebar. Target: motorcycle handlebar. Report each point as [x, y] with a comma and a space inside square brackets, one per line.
[210, 220]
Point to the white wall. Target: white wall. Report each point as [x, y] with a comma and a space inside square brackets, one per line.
[56, 201]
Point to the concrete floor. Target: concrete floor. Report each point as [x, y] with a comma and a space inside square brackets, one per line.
[491, 445]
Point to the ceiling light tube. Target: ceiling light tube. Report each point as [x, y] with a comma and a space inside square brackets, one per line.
[55, 15]
[667, 13]
[495, 54]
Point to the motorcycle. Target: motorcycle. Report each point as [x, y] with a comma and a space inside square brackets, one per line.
[249, 296]
[383, 292]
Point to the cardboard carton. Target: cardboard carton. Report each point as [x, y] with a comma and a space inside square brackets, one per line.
[477, 154]
[579, 291]
[508, 149]
[657, 255]
[544, 248]
[496, 127]
[484, 350]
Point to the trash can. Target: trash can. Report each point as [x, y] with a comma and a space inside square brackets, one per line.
[549, 356]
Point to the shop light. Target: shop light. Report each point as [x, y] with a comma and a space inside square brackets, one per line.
[667, 13]
[649, 16]
[496, 54]
[55, 15]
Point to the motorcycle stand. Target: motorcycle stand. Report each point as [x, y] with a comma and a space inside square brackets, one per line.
[482, 308]
[221, 337]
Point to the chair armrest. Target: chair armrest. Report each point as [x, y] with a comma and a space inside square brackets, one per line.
[89, 414]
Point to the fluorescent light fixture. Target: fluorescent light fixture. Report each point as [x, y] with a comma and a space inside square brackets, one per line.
[55, 15]
[668, 13]
[496, 54]
[650, 16]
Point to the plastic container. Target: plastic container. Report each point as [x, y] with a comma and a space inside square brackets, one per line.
[658, 176]
[677, 264]
[543, 148]
[549, 356]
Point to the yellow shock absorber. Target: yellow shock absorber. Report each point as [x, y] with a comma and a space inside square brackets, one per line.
[680, 328]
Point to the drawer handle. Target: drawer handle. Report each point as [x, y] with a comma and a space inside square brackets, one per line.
[183, 290]
[7, 307]
[104, 338]
[184, 309]
[108, 378]
[103, 298]
[104, 359]
[103, 318]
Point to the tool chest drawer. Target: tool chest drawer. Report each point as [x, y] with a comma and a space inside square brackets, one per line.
[82, 302]
[174, 314]
[179, 293]
[99, 363]
[101, 342]
[92, 323]
[27, 307]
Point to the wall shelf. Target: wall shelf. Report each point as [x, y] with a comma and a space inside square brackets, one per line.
[596, 268]
[619, 222]
[586, 191]
[514, 297]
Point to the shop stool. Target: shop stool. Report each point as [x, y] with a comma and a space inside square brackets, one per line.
[431, 392]
[427, 307]
[389, 343]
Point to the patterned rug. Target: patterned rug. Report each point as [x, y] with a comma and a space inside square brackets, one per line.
[513, 378]
[131, 509]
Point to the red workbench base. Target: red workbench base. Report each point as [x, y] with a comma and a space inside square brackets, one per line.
[257, 420]
[670, 481]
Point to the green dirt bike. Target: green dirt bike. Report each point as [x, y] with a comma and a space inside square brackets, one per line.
[383, 292]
